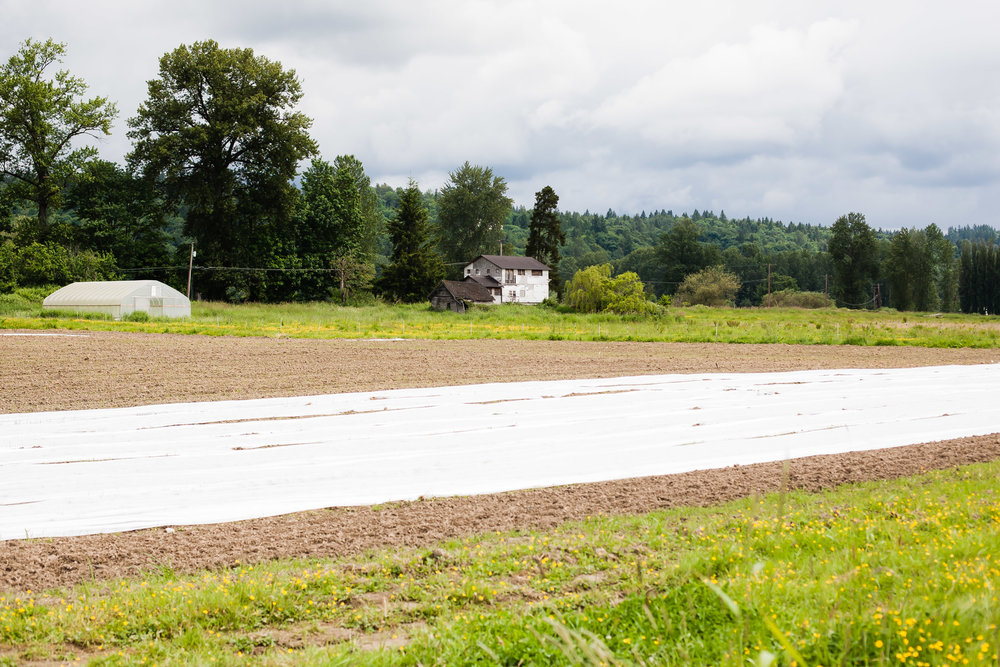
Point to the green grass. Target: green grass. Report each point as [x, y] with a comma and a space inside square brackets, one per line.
[901, 572]
[832, 326]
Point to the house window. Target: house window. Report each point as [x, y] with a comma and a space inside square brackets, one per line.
[487, 272]
[536, 272]
[477, 272]
[511, 278]
[522, 294]
[468, 272]
[520, 272]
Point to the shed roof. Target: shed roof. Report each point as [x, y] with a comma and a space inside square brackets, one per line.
[485, 281]
[515, 262]
[108, 293]
[467, 291]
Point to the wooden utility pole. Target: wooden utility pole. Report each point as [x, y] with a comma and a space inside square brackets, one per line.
[768, 285]
[190, 267]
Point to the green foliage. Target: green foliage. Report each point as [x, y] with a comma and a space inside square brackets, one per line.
[626, 295]
[796, 299]
[23, 301]
[586, 292]
[137, 316]
[593, 290]
[51, 264]
[713, 286]
[903, 567]
[416, 268]
[922, 270]
[545, 235]
[120, 215]
[337, 223]
[39, 119]
[368, 318]
[219, 135]
[472, 208]
[853, 250]
[681, 253]
[979, 278]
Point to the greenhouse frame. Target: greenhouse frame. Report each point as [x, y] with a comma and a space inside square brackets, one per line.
[120, 298]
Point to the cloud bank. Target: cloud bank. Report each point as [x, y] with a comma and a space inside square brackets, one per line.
[795, 111]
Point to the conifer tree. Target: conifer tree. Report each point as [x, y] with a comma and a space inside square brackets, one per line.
[853, 251]
[545, 234]
[416, 267]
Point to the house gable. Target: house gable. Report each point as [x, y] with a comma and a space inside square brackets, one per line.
[522, 279]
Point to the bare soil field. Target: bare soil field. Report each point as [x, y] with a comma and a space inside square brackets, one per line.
[102, 369]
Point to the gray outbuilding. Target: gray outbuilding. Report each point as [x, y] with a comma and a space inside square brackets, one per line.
[118, 298]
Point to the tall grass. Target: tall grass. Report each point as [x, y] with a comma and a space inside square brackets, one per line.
[695, 324]
[901, 572]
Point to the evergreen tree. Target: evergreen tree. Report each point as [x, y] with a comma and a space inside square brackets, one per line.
[853, 251]
[545, 235]
[416, 267]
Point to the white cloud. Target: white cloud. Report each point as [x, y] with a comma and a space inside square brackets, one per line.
[797, 111]
[768, 91]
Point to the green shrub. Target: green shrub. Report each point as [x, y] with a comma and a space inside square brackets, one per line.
[39, 264]
[137, 316]
[713, 286]
[794, 299]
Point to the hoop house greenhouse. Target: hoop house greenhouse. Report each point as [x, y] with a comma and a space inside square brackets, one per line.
[120, 298]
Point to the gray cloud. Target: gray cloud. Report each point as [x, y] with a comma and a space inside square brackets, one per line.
[796, 111]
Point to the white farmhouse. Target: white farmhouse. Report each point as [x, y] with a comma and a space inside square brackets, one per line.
[511, 279]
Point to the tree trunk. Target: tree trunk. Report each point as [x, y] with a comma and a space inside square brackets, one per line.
[43, 218]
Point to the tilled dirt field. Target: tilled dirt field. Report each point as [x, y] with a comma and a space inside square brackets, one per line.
[101, 369]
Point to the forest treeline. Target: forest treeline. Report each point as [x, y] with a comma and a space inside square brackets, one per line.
[213, 192]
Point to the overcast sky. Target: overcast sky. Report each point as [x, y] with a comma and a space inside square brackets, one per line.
[799, 111]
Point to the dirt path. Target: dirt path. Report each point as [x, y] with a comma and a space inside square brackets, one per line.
[112, 370]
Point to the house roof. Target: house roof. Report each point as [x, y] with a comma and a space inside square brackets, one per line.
[467, 291]
[514, 262]
[485, 281]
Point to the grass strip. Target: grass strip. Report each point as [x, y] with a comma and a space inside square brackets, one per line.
[899, 572]
[696, 324]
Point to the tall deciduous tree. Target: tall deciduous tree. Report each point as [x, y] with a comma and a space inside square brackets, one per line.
[472, 207]
[416, 267]
[219, 133]
[545, 234]
[853, 252]
[337, 224]
[39, 120]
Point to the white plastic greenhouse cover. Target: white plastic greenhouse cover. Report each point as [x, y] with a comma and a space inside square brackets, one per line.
[92, 471]
[120, 297]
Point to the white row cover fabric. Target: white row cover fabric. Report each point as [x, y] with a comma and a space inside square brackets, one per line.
[93, 471]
